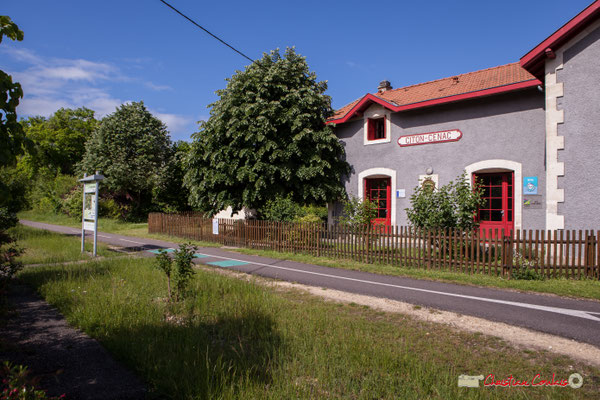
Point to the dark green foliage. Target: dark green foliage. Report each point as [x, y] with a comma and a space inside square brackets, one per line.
[131, 148]
[286, 210]
[282, 209]
[59, 141]
[49, 192]
[12, 137]
[267, 139]
[450, 206]
[168, 194]
[9, 251]
[14, 186]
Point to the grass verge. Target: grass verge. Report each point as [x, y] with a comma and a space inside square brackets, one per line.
[236, 339]
[48, 247]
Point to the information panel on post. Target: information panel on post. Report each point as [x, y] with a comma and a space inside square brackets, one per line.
[89, 219]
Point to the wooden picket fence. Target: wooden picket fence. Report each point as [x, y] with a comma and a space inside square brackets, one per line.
[562, 253]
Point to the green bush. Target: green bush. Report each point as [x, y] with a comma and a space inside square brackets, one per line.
[181, 272]
[309, 219]
[72, 204]
[357, 213]
[450, 206]
[282, 209]
[318, 211]
[48, 191]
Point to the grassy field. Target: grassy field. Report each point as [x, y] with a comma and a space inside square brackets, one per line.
[589, 289]
[48, 247]
[236, 339]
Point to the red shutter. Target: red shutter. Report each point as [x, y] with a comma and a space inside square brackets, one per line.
[370, 130]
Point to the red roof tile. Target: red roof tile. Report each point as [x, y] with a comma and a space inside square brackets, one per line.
[485, 79]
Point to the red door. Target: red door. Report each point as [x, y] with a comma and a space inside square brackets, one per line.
[378, 190]
[497, 211]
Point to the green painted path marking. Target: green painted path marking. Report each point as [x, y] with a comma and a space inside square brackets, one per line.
[227, 263]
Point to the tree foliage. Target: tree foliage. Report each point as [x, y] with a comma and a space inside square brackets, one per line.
[131, 148]
[451, 206]
[167, 192]
[59, 141]
[12, 137]
[266, 138]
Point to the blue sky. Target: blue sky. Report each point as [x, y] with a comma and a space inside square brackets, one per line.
[103, 53]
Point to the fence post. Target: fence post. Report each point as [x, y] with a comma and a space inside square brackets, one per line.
[589, 254]
[508, 252]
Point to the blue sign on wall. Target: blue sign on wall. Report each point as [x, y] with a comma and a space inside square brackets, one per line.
[530, 185]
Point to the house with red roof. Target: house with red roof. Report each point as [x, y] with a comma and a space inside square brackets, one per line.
[529, 131]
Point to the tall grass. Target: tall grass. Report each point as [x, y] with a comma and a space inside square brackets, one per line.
[235, 339]
[48, 247]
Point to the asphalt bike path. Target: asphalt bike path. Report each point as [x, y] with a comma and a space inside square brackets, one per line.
[570, 318]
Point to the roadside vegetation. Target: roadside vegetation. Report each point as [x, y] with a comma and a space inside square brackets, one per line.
[45, 247]
[231, 338]
[582, 288]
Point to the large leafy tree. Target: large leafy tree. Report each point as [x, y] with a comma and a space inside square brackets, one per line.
[59, 140]
[131, 148]
[12, 137]
[266, 138]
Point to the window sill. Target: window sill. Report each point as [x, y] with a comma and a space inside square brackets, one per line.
[378, 141]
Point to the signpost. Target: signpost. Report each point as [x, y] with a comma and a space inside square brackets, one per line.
[89, 219]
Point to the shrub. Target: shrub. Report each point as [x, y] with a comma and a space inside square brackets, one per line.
[318, 211]
[282, 209]
[357, 213]
[181, 272]
[450, 206]
[72, 204]
[49, 191]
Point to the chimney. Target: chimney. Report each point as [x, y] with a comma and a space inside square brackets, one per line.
[383, 86]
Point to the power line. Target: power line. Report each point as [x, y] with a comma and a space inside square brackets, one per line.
[206, 30]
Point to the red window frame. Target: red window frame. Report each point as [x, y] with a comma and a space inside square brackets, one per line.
[377, 128]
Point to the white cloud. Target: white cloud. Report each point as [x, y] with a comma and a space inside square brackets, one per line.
[158, 88]
[174, 122]
[53, 83]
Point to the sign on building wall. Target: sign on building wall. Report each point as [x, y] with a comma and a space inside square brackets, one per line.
[530, 185]
[430, 137]
[532, 202]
